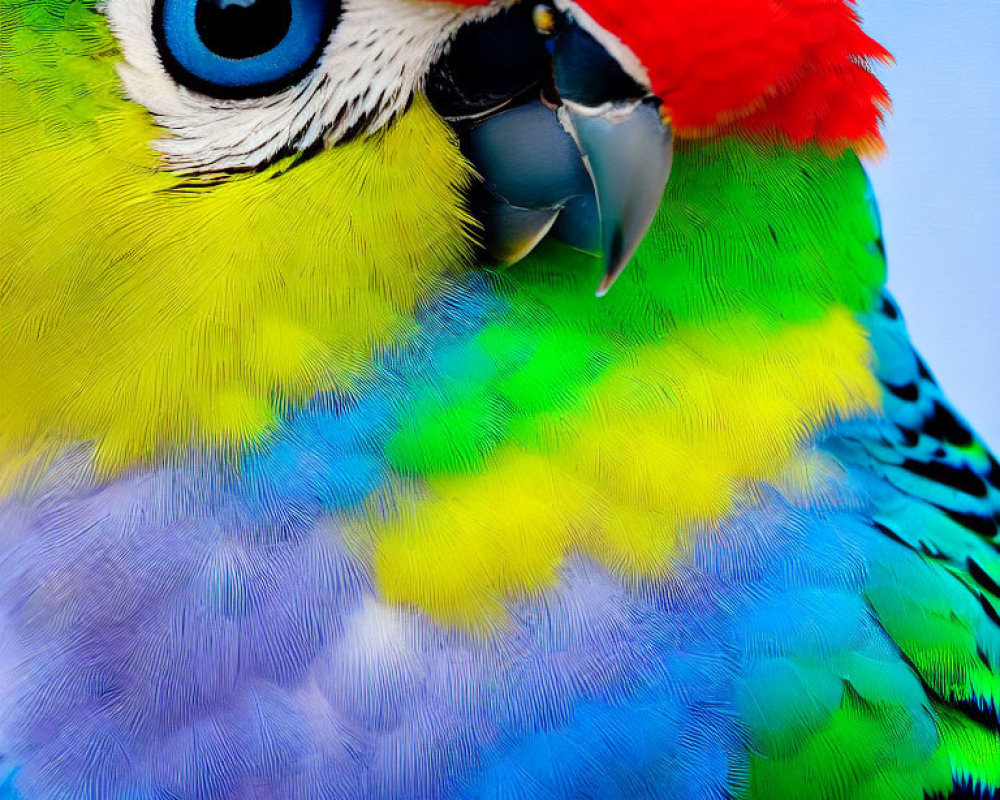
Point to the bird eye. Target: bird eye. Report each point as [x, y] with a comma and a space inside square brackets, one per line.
[237, 49]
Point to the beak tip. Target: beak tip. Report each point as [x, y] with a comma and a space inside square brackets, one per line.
[611, 276]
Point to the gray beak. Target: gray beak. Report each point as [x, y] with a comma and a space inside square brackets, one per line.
[581, 154]
[628, 152]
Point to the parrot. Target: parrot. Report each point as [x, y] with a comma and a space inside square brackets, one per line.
[472, 399]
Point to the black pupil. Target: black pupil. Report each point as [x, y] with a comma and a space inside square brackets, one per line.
[242, 28]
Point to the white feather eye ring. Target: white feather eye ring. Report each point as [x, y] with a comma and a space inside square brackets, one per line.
[238, 83]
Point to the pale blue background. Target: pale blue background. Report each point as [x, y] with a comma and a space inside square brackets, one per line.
[939, 189]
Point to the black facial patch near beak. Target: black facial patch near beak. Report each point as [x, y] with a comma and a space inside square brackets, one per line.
[488, 64]
[588, 74]
[566, 141]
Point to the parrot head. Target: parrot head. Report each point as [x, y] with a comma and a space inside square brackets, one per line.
[565, 110]
[218, 208]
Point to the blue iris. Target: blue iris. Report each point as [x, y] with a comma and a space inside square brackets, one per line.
[242, 48]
